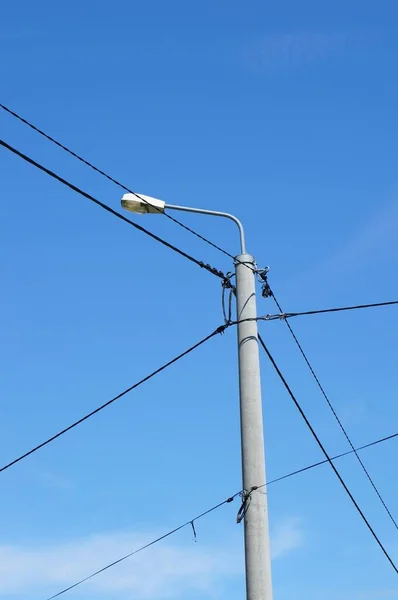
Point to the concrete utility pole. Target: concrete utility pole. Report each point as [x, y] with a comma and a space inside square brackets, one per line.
[257, 543]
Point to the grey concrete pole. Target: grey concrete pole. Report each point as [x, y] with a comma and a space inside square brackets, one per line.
[257, 545]
[257, 542]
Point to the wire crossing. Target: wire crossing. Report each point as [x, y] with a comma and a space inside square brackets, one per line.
[115, 213]
[217, 331]
[104, 174]
[289, 315]
[328, 458]
[225, 279]
[323, 462]
[217, 506]
[336, 415]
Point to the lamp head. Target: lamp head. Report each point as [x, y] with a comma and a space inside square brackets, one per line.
[142, 204]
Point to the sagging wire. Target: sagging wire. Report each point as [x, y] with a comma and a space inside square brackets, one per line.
[110, 210]
[142, 548]
[220, 330]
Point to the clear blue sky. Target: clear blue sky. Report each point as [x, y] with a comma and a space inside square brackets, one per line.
[284, 114]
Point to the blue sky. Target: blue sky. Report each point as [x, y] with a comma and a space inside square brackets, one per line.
[284, 115]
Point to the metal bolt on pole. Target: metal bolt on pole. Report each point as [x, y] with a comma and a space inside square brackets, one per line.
[257, 544]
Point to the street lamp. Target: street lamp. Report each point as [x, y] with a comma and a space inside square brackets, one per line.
[142, 205]
[257, 545]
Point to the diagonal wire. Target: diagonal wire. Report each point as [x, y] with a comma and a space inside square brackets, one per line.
[202, 265]
[329, 460]
[118, 183]
[220, 329]
[111, 210]
[192, 521]
[323, 462]
[97, 170]
[289, 315]
[336, 416]
[156, 541]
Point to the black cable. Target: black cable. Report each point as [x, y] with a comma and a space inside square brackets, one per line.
[329, 460]
[121, 185]
[232, 289]
[157, 540]
[337, 417]
[289, 315]
[192, 521]
[220, 329]
[323, 462]
[97, 170]
[111, 210]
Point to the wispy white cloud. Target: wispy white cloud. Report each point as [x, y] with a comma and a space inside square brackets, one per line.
[374, 241]
[166, 570]
[286, 50]
[354, 411]
[286, 537]
[376, 594]
[15, 36]
[53, 479]
[377, 236]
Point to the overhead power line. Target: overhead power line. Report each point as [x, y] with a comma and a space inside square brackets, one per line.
[114, 399]
[289, 315]
[328, 458]
[104, 174]
[192, 521]
[324, 462]
[329, 403]
[156, 541]
[199, 263]
[76, 189]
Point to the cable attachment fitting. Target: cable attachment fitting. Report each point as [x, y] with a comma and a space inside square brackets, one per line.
[216, 272]
[222, 328]
[227, 285]
[266, 290]
[195, 537]
[226, 282]
[246, 501]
